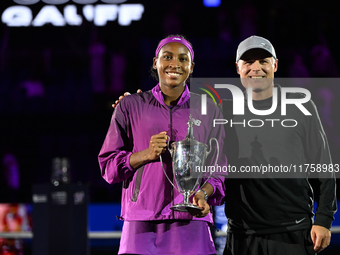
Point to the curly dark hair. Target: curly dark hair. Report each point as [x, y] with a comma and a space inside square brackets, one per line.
[153, 72]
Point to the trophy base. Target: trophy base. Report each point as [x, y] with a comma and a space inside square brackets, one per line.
[193, 209]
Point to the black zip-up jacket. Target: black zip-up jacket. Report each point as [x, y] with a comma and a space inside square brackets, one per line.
[257, 205]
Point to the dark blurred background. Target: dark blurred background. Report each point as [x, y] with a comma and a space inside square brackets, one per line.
[57, 83]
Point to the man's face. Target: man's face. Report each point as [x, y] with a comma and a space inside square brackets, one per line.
[256, 69]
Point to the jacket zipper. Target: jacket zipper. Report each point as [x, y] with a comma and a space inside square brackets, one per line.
[171, 140]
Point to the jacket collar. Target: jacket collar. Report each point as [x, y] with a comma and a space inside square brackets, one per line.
[157, 93]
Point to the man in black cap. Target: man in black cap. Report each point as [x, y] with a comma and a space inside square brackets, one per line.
[275, 215]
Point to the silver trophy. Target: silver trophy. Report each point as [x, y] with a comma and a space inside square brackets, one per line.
[188, 159]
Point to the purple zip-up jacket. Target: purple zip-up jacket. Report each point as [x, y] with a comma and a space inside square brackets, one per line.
[147, 194]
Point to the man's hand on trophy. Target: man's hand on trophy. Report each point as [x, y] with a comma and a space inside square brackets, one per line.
[122, 96]
[157, 146]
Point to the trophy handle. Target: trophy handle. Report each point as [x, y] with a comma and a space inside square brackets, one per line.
[208, 152]
[160, 159]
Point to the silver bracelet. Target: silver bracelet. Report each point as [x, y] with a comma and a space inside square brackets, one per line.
[205, 194]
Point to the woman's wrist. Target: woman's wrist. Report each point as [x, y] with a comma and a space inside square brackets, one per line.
[205, 194]
[139, 159]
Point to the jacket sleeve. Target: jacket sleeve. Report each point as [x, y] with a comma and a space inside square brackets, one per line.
[217, 178]
[114, 156]
[317, 152]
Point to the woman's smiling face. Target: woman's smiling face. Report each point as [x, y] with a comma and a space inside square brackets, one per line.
[173, 64]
